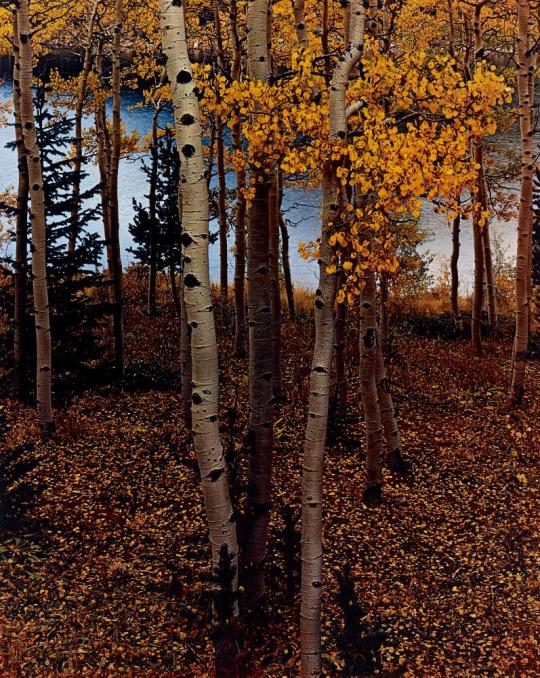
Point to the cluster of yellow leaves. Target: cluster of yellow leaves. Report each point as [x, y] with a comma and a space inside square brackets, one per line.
[280, 123]
[412, 142]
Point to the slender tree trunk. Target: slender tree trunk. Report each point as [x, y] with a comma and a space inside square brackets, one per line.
[23, 45]
[274, 214]
[197, 289]
[491, 293]
[77, 156]
[315, 443]
[369, 354]
[152, 278]
[240, 263]
[287, 278]
[478, 294]
[260, 337]
[454, 272]
[389, 420]
[222, 214]
[240, 222]
[317, 422]
[103, 155]
[524, 61]
[300, 23]
[535, 273]
[20, 320]
[339, 348]
[114, 210]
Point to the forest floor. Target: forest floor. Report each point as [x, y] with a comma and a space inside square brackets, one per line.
[104, 558]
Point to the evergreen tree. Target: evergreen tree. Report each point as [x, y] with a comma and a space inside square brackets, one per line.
[167, 226]
[75, 313]
[72, 277]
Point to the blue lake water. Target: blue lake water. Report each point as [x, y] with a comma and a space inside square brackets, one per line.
[301, 208]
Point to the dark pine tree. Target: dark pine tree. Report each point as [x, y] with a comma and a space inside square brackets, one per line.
[166, 228]
[72, 278]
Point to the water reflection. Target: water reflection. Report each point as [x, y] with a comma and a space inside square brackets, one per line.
[301, 208]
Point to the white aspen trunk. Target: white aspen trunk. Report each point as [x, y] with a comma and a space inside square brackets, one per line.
[222, 214]
[524, 61]
[300, 23]
[197, 291]
[114, 208]
[152, 189]
[79, 108]
[261, 408]
[240, 222]
[21, 233]
[37, 217]
[319, 395]
[454, 271]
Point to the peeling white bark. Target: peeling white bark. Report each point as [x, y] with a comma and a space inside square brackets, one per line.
[197, 291]
[37, 215]
[316, 427]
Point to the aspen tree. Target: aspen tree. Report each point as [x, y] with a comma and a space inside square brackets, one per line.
[197, 290]
[316, 427]
[23, 45]
[152, 188]
[21, 232]
[524, 58]
[222, 179]
[78, 140]
[114, 208]
[260, 333]
[240, 212]
[454, 272]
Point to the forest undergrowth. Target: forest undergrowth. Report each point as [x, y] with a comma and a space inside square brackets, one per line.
[105, 534]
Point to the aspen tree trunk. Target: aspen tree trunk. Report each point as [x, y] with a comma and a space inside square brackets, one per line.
[103, 155]
[369, 354]
[114, 213]
[487, 259]
[79, 109]
[319, 395]
[524, 62]
[339, 349]
[454, 272]
[186, 367]
[197, 290]
[20, 319]
[239, 261]
[240, 222]
[152, 277]
[222, 214]
[273, 226]
[478, 294]
[260, 336]
[300, 23]
[486, 240]
[23, 44]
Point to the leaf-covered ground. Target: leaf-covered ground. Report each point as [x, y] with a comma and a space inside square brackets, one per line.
[104, 556]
